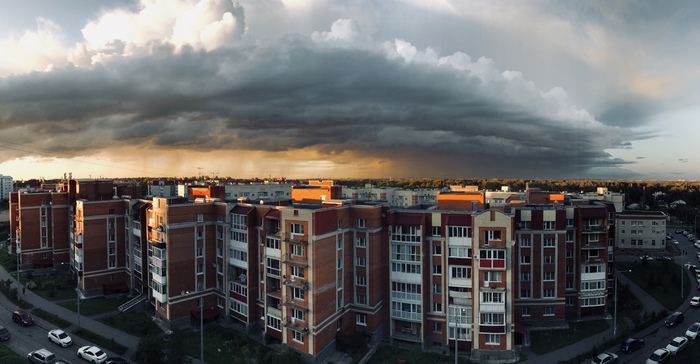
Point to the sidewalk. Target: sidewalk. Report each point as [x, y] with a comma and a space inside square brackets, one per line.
[86, 323]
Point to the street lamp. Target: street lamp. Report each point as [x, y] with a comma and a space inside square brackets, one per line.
[200, 301]
[19, 284]
[615, 319]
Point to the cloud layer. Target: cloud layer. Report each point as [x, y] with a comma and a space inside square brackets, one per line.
[196, 76]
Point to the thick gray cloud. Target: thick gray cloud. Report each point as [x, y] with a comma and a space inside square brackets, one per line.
[351, 84]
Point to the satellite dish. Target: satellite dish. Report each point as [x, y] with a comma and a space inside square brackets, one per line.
[241, 278]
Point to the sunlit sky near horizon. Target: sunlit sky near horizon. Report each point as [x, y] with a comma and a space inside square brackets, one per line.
[342, 89]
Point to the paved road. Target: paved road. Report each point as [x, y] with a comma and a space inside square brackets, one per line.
[40, 330]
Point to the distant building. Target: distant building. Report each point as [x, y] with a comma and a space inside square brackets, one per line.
[6, 186]
[640, 231]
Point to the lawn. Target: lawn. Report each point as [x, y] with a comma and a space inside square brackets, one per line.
[8, 356]
[53, 286]
[545, 341]
[97, 305]
[135, 323]
[662, 280]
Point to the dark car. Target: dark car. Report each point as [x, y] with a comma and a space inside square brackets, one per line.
[675, 319]
[4, 334]
[116, 360]
[631, 344]
[22, 317]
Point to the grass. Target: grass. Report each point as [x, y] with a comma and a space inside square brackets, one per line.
[54, 286]
[135, 323]
[662, 280]
[54, 319]
[7, 260]
[95, 306]
[388, 354]
[101, 341]
[546, 341]
[8, 356]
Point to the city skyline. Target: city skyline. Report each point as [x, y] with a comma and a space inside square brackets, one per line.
[349, 89]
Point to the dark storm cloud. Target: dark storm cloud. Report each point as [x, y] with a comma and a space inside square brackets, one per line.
[429, 119]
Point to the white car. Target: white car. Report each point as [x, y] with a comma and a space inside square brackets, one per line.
[692, 332]
[695, 301]
[658, 356]
[605, 358]
[677, 344]
[92, 354]
[59, 337]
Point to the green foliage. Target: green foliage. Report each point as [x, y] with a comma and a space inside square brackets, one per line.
[54, 319]
[102, 341]
[134, 323]
[665, 285]
[549, 340]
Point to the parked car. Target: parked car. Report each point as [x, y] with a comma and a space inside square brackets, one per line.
[59, 337]
[41, 356]
[695, 301]
[692, 332]
[4, 334]
[659, 356]
[645, 257]
[92, 354]
[605, 358]
[675, 319]
[677, 344]
[631, 344]
[22, 317]
[116, 360]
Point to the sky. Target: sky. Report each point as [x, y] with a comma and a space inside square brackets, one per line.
[350, 89]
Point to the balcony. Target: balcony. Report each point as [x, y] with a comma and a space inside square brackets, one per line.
[492, 307]
[297, 325]
[159, 279]
[405, 296]
[275, 312]
[272, 253]
[298, 283]
[161, 297]
[295, 305]
[493, 329]
[593, 228]
[406, 315]
[297, 239]
[158, 262]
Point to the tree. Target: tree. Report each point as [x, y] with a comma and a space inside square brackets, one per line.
[150, 351]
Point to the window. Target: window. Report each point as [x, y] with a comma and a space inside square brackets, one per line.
[548, 311]
[111, 251]
[437, 307]
[361, 261]
[492, 339]
[297, 293]
[437, 269]
[461, 272]
[548, 259]
[492, 276]
[361, 223]
[296, 250]
[436, 231]
[569, 236]
[361, 299]
[548, 225]
[569, 253]
[239, 307]
[525, 225]
[525, 276]
[296, 229]
[459, 252]
[459, 231]
[200, 234]
[437, 250]
[524, 259]
[361, 319]
[112, 264]
[437, 327]
[525, 293]
[492, 318]
[297, 336]
[548, 242]
[526, 311]
[569, 222]
[548, 276]
[340, 224]
[339, 243]
[361, 242]
[492, 254]
[361, 280]
[548, 293]
[274, 323]
[492, 297]
[296, 272]
[200, 269]
[437, 288]
[492, 235]
[200, 217]
[200, 252]
[525, 242]
[273, 267]
[569, 284]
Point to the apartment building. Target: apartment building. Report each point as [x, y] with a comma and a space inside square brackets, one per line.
[6, 186]
[642, 232]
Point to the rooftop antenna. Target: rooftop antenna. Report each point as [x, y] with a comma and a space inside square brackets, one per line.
[200, 172]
